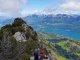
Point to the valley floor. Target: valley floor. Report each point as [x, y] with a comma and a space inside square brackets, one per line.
[61, 49]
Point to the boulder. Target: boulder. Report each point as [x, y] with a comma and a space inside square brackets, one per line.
[20, 36]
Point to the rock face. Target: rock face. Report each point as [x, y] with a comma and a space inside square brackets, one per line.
[20, 36]
[14, 39]
[8, 51]
[6, 48]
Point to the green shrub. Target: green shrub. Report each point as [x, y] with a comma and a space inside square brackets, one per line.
[8, 26]
[13, 42]
[30, 27]
[1, 33]
[31, 45]
[18, 22]
[25, 56]
[34, 35]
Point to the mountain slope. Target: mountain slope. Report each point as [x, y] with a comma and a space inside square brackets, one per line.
[12, 44]
[63, 48]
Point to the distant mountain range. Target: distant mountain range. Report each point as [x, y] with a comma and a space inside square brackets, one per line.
[58, 21]
[5, 20]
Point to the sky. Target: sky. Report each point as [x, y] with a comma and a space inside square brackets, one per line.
[14, 8]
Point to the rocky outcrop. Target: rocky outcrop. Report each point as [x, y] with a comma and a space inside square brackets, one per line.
[17, 40]
[20, 36]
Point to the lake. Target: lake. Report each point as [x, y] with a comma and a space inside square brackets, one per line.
[66, 33]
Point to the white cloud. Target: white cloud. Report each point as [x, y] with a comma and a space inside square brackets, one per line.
[72, 0]
[67, 7]
[11, 7]
[71, 6]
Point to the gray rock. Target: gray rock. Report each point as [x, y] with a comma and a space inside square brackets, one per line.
[6, 48]
[20, 36]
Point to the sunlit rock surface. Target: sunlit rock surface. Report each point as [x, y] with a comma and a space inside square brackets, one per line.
[19, 36]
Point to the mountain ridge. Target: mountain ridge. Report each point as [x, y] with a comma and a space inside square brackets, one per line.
[17, 40]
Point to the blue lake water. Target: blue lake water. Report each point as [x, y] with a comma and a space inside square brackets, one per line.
[66, 33]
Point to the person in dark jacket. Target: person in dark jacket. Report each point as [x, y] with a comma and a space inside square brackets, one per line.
[36, 54]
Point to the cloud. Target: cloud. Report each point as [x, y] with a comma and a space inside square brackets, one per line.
[45, 11]
[71, 6]
[15, 8]
[67, 7]
[11, 7]
[72, 0]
